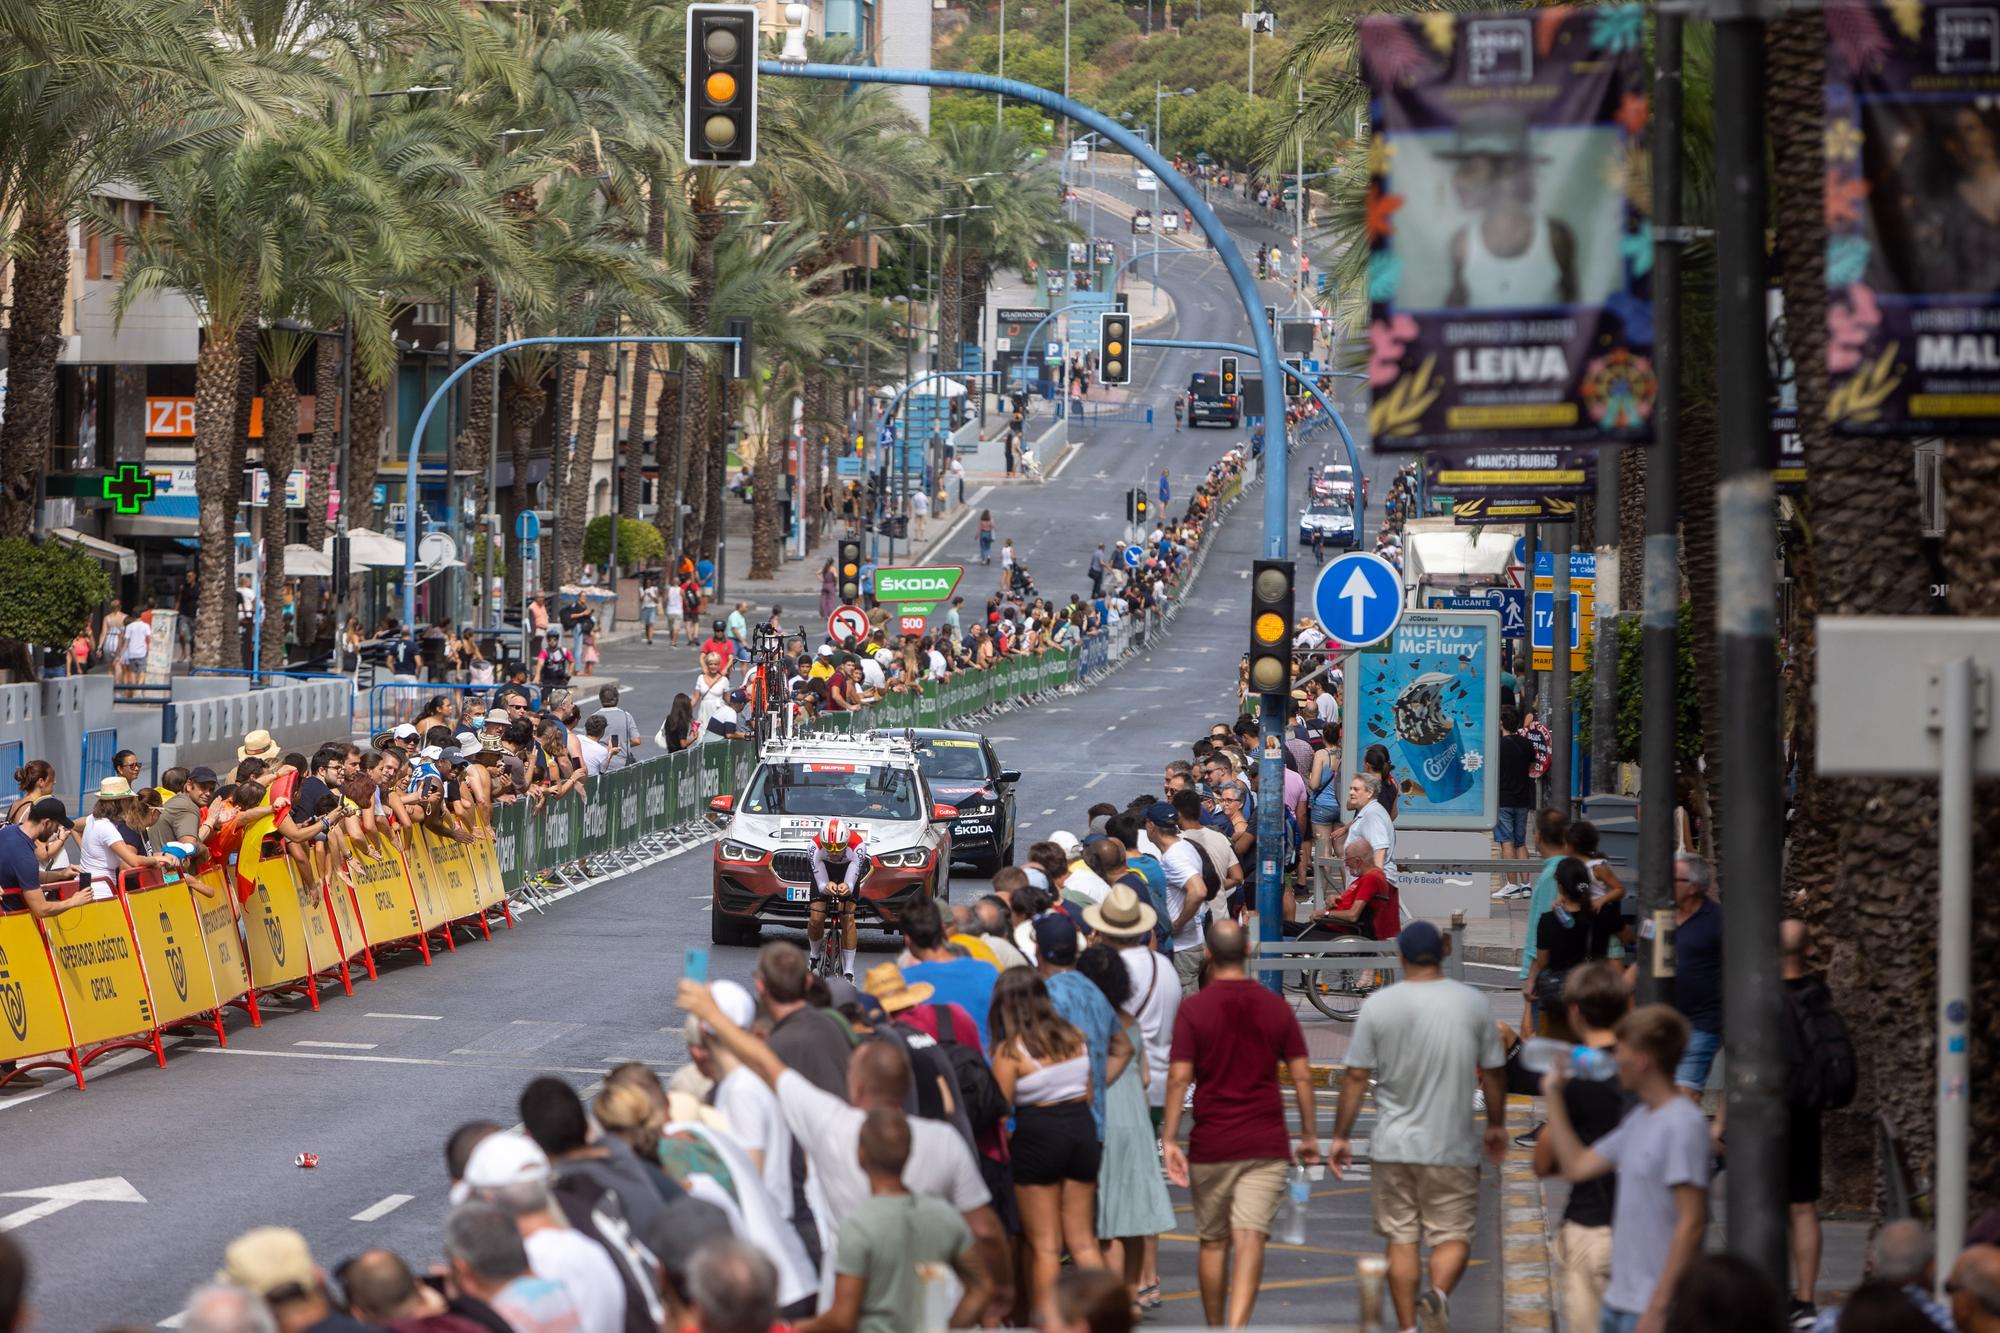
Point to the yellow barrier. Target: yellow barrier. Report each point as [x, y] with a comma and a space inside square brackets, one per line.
[113, 974]
[33, 1020]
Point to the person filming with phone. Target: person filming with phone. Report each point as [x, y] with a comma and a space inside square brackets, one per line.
[26, 885]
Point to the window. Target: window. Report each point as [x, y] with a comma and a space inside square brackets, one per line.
[104, 251]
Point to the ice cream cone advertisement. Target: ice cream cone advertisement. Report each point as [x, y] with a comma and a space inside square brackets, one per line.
[1430, 695]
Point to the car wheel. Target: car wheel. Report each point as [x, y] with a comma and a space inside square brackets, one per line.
[726, 929]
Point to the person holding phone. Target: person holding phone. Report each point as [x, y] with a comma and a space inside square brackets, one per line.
[22, 874]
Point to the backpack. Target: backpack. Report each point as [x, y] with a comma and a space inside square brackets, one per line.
[1824, 1072]
[1538, 736]
[985, 1105]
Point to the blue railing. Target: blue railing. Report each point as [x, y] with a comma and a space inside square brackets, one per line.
[256, 676]
[98, 748]
[401, 701]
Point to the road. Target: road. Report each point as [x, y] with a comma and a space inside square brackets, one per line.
[374, 1083]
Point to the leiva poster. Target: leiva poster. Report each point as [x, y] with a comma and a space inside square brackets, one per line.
[1913, 218]
[1510, 252]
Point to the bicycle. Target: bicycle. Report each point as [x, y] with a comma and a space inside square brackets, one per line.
[833, 934]
[1338, 991]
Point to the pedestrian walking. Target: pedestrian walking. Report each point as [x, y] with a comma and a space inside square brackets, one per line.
[1097, 568]
[1517, 797]
[920, 511]
[1697, 990]
[986, 531]
[1166, 491]
[1595, 999]
[649, 609]
[1426, 1041]
[1229, 1040]
[1661, 1153]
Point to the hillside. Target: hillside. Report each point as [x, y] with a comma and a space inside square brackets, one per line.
[1115, 66]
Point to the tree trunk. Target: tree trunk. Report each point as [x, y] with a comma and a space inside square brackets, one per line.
[1632, 530]
[217, 479]
[475, 437]
[812, 465]
[281, 449]
[972, 303]
[766, 478]
[364, 450]
[1698, 442]
[723, 413]
[574, 507]
[322, 459]
[951, 308]
[34, 347]
[246, 398]
[1875, 932]
[672, 459]
[524, 408]
[1972, 558]
[700, 447]
[632, 479]
[563, 449]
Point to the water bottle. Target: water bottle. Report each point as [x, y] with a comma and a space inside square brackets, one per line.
[1541, 1054]
[1298, 1194]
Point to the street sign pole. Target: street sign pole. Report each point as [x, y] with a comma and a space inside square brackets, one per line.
[1560, 784]
[1912, 697]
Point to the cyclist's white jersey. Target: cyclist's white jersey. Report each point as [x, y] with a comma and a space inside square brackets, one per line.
[856, 858]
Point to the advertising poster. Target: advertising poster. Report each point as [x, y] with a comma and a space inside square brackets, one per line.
[1431, 694]
[1514, 471]
[1913, 218]
[1787, 445]
[1510, 261]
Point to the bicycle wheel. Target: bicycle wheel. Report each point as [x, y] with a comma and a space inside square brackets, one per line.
[1337, 992]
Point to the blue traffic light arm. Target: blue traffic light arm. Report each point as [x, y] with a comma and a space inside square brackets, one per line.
[410, 494]
[1326, 405]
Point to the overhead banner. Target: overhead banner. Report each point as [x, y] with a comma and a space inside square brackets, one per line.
[1430, 692]
[1524, 472]
[1510, 264]
[1913, 218]
[1470, 510]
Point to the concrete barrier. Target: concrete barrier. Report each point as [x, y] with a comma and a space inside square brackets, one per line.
[208, 730]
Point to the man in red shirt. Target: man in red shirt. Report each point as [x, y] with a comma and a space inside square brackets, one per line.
[719, 643]
[1229, 1039]
[1367, 908]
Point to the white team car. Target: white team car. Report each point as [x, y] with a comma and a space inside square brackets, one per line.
[873, 785]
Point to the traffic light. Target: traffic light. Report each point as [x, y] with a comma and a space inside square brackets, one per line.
[850, 571]
[1271, 626]
[1229, 388]
[719, 117]
[1295, 387]
[1114, 365]
[1139, 505]
[1271, 319]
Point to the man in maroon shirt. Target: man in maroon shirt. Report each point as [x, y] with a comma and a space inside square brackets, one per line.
[1368, 907]
[1229, 1039]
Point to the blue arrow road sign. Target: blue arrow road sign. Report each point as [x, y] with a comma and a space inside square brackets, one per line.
[1133, 555]
[1359, 599]
[528, 527]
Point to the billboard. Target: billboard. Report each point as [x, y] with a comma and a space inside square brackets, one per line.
[1510, 252]
[1913, 226]
[1430, 693]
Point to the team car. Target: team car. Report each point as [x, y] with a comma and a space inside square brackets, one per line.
[1207, 403]
[964, 774]
[1332, 518]
[873, 785]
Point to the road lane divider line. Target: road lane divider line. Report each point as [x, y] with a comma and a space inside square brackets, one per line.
[376, 1211]
[422, 1018]
[339, 1045]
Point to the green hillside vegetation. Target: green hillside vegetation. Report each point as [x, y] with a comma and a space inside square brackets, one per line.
[1115, 67]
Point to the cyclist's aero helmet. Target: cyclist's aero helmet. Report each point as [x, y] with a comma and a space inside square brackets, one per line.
[835, 837]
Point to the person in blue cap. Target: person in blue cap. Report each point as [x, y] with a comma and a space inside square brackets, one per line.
[1423, 1041]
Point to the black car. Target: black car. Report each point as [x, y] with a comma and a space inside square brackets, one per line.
[963, 772]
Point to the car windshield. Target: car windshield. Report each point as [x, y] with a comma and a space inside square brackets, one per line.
[953, 759]
[849, 789]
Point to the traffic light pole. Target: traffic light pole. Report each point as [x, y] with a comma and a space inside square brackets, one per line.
[438, 396]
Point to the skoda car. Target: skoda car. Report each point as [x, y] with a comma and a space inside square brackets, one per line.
[963, 773]
[871, 784]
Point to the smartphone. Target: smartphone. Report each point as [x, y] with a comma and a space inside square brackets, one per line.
[694, 963]
[83, 881]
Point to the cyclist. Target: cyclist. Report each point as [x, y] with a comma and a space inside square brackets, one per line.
[843, 846]
[1180, 411]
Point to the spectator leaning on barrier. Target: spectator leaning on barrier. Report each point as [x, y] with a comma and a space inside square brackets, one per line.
[22, 874]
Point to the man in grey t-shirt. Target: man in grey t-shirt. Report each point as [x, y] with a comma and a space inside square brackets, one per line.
[1661, 1152]
[1422, 1039]
[620, 727]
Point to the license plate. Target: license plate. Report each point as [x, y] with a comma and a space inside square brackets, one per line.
[801, 894]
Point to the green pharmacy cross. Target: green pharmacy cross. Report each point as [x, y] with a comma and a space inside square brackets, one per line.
[129, 489]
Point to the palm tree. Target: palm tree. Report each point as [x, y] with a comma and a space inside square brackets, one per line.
[89, 85]
[1020, 216]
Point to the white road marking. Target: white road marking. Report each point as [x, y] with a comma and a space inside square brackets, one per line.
[388, 1060]
[424, 1018]
[1049, 811]
[174, 1320]
[380, 1210]
[1094, 781]
[1071, 797]
[338, 1045]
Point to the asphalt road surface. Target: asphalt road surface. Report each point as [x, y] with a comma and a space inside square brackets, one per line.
[169, 1164]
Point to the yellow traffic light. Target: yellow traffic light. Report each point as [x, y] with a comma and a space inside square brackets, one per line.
[721, 87]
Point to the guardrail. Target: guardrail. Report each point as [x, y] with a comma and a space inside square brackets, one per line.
[393, 702]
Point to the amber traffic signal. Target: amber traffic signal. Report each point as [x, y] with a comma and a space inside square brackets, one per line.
[1229, 388]
[719, 117]
[1114, 348]
[1271, 626]
[849, 571]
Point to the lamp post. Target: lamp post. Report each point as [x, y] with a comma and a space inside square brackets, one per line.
[1160, 147]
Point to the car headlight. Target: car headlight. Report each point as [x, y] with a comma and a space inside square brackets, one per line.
[740, 853]
[913, 858]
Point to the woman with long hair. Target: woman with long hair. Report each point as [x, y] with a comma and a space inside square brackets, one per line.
[1132, 1201]
[1376, 760]
[829, 590]
[1043, 1068]
[1323, 785]
[986, 536]
[106, 849]
[1564, 937]
[679, 726]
